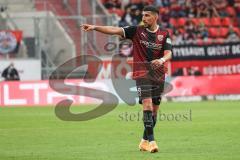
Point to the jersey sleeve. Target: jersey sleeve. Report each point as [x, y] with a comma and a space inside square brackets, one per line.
[129, 31]
[168, 43]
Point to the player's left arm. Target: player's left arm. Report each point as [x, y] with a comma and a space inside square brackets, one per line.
[167, 50]
[167, 54]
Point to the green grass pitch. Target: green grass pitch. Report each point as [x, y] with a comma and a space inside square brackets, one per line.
[211, 131]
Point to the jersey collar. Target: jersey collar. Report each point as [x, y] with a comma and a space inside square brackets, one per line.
[154, 30]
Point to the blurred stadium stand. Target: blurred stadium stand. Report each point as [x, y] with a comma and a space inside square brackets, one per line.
[177, 15]
[51, 28]
[50, 34]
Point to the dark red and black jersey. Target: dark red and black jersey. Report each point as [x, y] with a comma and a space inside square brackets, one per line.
[147, 46]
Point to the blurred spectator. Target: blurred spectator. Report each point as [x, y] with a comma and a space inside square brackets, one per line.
[206, 9]
[124, 3]
[238, 16]
[10, 73]
[109, 4]
[178, 72]
[238, 11]
[190, 33]
[183, 12]
[174, 8]
[64, 3]
[202, 32]
[231, 2]
[191, 12]
[220, 6]
[177, 38]
[136, 17]
[126, 19]
[158, 3]
[166, 3]
[196, 32]
[202, 10]
[138, 4]
[177, 9]
[190, 3]
[232, 35]
[193, 71]
[189, 71]
[191, 8]
[236, 3]
[181, 2]
[212, 9]
[165, 17]
[3, 8]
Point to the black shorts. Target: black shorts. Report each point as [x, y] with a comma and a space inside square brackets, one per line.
[147, 88]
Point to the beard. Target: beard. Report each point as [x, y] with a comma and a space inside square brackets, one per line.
[146, 25]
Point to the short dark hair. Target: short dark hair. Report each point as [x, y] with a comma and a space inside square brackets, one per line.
[151, 8]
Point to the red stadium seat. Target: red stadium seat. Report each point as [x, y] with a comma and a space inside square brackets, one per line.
[215, 21]
[200, 42]
[235, 22]
[226, 21]
[173, 22]
[181, 30]
[231, 11]
[181, 22]
[213, 32]
[237, 30]
[162, 10]
[206, 21]
[195, 21]
[223, 32]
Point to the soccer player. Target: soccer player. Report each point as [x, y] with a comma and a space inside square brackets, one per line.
[151, 49]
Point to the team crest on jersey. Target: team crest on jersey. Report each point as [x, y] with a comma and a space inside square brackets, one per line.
[160, 37]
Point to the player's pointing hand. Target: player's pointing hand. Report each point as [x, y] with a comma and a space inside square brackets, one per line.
[87, 27]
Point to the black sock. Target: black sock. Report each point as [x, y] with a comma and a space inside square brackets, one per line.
[154, 117]
[145, 134]
[148, 124]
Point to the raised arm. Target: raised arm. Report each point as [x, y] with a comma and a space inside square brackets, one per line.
[104, 29]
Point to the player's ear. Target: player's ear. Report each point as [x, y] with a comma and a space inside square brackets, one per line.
[156, 16]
